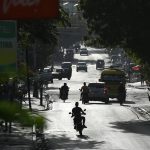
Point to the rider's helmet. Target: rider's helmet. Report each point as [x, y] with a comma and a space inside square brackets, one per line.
[65, 84]
[76, 104]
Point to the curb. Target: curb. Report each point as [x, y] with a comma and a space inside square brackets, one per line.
[143, 111]
[137, 87]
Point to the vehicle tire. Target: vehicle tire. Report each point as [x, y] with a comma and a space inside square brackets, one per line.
[51, 81]
[69, 78]
[86, 70]
[107, 101]
[60, 78]
[77, 70]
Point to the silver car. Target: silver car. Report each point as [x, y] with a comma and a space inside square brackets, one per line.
[81, 66]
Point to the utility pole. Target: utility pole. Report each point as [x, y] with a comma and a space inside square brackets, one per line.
[28, 80]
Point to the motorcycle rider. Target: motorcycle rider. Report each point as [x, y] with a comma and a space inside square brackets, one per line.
[65, 89]
[84, 90]
[76, 113]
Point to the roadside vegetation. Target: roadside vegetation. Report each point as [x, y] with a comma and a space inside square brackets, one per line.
[115, 23]
[39, 36]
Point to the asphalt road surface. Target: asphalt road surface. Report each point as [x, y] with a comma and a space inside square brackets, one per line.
[109, 126]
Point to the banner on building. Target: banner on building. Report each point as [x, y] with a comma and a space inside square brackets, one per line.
[28, 9]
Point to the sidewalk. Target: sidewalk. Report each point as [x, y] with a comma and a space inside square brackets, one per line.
[143, 110]
[137, 85]
[21, 138]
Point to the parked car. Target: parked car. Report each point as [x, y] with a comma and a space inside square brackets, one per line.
[100, 64]
[67, 70]
[57, 73]
[45, 75]
[83, 51]
[81, 66]
[98, 92]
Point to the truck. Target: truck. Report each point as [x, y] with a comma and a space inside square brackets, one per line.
[113, 77]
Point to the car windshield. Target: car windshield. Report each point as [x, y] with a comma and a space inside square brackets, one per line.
[83, 49]
[66, 65]
[112, 78]
[81, 63]
[95, 85]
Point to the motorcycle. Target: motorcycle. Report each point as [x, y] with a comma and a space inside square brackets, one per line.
[84, 97]
[78, 126]
[63, 95]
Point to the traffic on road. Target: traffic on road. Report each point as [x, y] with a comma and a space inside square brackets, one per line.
[109, 125]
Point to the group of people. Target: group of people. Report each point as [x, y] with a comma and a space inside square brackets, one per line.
[76, 111]
[84, 89]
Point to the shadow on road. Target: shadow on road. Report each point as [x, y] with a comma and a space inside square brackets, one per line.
[116, 101]
[83, 137]
[110, 102]
[97, 103]
[64, 142]
[138, 126]
[20, 138]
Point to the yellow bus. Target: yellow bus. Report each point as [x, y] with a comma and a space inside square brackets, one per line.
[113, 77]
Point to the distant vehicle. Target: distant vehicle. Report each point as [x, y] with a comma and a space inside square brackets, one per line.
[69, 54]
[98, 92]
[67, 65]
[83, 51]
[100, 64]
[81, 66]
[113, 77]
[117, 66]
[116, 60]
[67, 70]
[57, 73]
[45, 75]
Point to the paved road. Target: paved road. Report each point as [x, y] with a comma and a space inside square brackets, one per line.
[110, 126]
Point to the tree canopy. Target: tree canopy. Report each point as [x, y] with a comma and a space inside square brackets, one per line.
[123, 23]
[41, 35]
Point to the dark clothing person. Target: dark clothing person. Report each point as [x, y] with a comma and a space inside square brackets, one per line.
[65, 89]
[76, 113]
[122, 88]
[84, 88]
[122, 93]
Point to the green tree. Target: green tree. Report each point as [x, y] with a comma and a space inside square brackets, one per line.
[11, 112]
[121, 23]
[42, 35]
